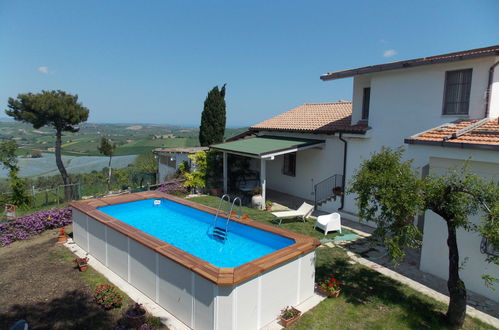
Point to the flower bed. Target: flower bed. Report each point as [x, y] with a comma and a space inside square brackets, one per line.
[30, 225]
[173, 187]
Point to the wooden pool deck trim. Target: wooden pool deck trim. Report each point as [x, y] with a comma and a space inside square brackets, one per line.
[220, 276]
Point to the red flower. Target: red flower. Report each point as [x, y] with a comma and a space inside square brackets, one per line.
[330, 284]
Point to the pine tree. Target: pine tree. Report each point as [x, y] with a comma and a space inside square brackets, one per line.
[51, 108]
[212, 127]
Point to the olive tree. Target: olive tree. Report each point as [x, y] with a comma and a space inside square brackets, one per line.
[390, 193]
[8, 160]
[107, 148]
[50, 108]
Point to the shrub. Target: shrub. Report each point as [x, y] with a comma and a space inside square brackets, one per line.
[106, 296]
[30, 225]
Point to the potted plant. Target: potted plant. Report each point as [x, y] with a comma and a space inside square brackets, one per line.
[135, 316]
[329, 286]
[268, 205]
[82, 263]
[62, 237]
[289, 315]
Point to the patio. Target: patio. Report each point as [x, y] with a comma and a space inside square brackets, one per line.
[258, 152]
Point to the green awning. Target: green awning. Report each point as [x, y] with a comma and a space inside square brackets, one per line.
[266, 146]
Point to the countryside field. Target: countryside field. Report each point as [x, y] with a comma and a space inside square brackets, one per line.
[130, 139]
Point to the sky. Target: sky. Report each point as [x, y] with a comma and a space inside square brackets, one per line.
[155, 61]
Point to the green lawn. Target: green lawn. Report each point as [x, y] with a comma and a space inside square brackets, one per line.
[368, 299]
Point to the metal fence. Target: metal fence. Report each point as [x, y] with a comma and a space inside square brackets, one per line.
[49, 197]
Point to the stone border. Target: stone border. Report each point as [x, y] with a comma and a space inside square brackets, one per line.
[220, 276]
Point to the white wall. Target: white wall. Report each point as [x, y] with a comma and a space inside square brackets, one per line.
[166, 172]
[406, 102]
[494, 94]
[194, 300]
[434, 254]
[359, 83]
[312, 166]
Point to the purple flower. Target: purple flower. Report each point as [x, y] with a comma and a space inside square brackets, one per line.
[173, 187]
[32, 224]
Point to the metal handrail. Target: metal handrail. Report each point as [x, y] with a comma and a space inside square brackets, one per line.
[230, 213]
[324, 189]
[219, 207]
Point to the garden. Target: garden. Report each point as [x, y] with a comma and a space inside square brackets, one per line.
[41, 284]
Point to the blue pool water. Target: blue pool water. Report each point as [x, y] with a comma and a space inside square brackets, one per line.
[189, 229]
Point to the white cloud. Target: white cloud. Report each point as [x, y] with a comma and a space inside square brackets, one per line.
[44, 69]
[389, 53]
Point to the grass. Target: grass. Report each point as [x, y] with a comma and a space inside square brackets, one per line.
[296, 225]
[368, 299]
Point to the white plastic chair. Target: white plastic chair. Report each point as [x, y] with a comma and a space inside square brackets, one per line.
[329, 222]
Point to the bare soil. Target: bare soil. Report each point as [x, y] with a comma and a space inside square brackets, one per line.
[37, 285]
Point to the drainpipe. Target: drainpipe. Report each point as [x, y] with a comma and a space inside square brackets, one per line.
[489, 88]
[344, 171]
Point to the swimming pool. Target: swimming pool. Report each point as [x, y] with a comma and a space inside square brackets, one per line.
[167, 253]
[189, 229]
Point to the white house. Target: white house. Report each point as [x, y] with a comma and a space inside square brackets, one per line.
[398, 100]
[447, 147]
[413, 100]
[311, 150]
[169, 160]
[300, 152]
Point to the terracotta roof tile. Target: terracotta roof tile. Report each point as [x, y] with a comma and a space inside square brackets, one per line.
[314, 118]
[484, 134]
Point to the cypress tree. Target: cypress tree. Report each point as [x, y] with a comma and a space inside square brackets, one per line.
[212, 127]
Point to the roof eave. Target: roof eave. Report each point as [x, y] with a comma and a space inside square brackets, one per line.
[318, 131]
[402, 65]
[461, 145]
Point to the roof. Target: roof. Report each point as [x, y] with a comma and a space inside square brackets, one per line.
[471, 134]
[191, 150]
[266, 146]
[314, 118]
[444, 58]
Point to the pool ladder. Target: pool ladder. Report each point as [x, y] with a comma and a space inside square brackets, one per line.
[223, 232]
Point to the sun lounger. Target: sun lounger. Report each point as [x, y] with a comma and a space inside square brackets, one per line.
[303, 211]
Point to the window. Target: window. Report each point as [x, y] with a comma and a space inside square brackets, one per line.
[169, 161]
[289, 164]
[457, 92]
[365, 103]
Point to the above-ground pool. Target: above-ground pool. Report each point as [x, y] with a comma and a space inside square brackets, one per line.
[190, 230]
[167, 252]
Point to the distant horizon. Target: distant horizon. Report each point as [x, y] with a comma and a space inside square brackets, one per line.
[156, 61]
[10, 120]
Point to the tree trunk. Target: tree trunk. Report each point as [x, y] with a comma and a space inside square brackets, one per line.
[457, 291]
[60, 166]
[109, 174]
